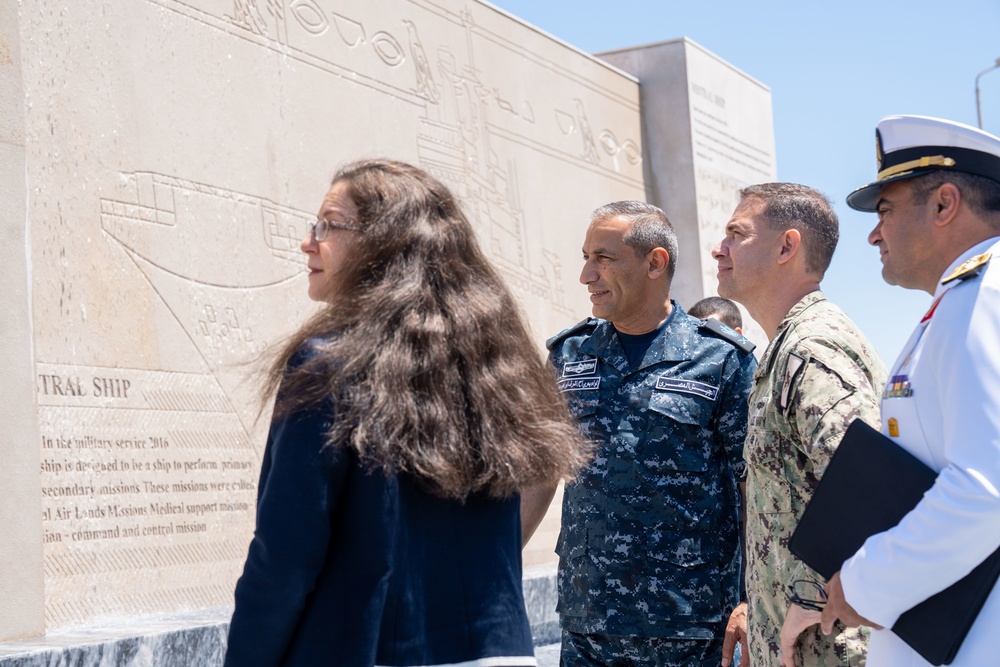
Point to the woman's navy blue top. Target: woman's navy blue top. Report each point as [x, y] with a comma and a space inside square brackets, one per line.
[349, 567]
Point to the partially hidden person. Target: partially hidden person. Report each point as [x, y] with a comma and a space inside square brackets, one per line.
[719, 309]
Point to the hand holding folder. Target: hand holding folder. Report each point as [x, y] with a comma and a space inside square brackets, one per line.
[870, 484]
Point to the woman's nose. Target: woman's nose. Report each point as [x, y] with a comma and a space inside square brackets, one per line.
[309, 243]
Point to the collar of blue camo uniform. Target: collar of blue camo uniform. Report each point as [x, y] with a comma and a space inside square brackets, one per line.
[908, 146]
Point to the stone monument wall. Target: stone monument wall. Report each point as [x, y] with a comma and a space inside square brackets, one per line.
[162, 160]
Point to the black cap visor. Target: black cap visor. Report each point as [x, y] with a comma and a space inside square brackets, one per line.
[920, 160]
[865, 197]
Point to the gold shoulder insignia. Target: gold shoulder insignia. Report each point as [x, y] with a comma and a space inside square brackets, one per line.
[969, 268]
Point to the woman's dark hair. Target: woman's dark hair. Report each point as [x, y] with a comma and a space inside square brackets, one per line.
[424, 353]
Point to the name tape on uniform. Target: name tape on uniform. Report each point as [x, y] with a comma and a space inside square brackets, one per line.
[579, 384]
[665, 383]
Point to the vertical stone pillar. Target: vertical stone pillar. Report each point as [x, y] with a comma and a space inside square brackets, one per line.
[707, 131]
[21, 583]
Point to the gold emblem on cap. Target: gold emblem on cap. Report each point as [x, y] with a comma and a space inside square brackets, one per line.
[967, 267]
[878, 150]
[934, 161]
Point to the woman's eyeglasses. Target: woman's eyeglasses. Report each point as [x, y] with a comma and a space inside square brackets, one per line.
[322, 227]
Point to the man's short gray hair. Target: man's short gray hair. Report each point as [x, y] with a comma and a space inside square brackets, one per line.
[650, 229]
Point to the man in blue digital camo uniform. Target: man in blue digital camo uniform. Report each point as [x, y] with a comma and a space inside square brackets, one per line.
[649, 549]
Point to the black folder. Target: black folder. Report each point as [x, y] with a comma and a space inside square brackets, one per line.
[870, 484]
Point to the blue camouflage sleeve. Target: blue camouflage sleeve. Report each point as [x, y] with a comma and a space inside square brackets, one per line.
[732, 410]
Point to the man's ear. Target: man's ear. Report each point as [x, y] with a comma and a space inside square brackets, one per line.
[791, 243]
[946, 199]
[658, 259]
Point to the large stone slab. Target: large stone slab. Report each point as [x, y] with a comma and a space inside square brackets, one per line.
[21, 577]
[708, 131]
[165, 160]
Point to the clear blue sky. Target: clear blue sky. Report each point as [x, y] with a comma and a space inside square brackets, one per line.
[834, 69]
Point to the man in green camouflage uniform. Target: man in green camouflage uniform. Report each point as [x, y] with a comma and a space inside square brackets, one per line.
[817, 375]
[649, 551]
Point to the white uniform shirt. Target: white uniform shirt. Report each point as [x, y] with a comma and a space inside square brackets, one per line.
[951, 422]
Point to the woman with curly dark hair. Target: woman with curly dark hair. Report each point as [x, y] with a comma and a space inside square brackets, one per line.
[410, 413]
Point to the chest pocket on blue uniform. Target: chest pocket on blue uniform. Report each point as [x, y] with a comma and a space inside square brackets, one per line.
[676, 437]
[583, 405]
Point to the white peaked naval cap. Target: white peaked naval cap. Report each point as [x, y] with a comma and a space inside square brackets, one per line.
[908, 146]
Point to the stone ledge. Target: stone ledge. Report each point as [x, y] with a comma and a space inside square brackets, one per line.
[198, 638]
[548, 655]
[540, 596]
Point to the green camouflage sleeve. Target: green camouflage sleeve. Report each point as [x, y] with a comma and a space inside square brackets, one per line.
[830, 391]
[827, 389]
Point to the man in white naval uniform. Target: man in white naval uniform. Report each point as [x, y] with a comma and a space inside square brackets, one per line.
[938, 203]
